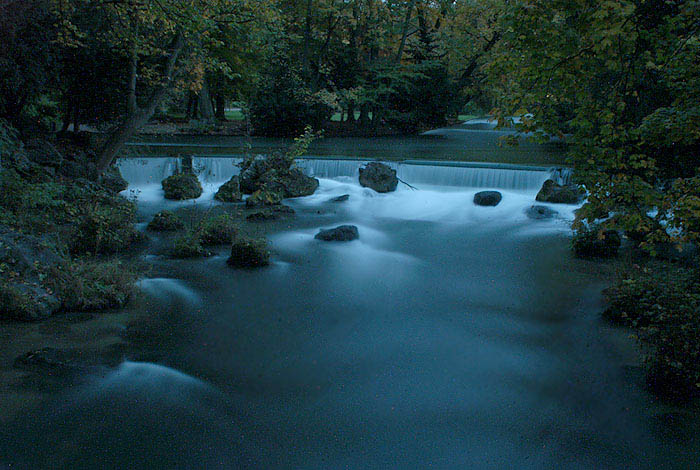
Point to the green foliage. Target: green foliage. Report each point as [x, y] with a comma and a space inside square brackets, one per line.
[662, 301]
[104, 227]
[595, 243]
[84, 285]
[621, 78]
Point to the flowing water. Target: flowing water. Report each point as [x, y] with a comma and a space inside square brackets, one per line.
[449, 336]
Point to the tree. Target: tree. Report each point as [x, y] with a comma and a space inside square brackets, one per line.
[620, 77]
[161, 40]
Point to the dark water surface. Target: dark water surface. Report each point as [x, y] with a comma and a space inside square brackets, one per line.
[460, 143]
[449, 336]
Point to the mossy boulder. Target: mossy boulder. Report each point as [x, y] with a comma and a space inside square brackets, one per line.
[230, 191]
[276, 173]
[220, 230]
[188, 246]
[487, 198]
[249, 253]
[166, 221]
[379, 177]
[182, 186]
[557, 194]
[596, 244]
[263, 197]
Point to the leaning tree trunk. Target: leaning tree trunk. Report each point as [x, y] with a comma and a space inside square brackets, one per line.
[138, 116]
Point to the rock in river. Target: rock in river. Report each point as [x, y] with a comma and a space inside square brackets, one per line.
[379, 177]
[343, 233]
[249, 253]
[540, 212]
[555, 193]
[487, 198]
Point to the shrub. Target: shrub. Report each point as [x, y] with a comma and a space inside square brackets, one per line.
[663, 302]
[106, 227]
[218, 230]
[592, 243]
[165, 221]
[94, 285]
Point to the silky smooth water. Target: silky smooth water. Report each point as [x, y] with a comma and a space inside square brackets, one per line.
[449, 336]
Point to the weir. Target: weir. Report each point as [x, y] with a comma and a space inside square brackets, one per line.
[212, 170]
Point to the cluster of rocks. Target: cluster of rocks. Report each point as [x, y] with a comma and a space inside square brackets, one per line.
[275, 175]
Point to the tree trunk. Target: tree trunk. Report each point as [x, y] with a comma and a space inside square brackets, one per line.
[220, 107]
[205, 107]
[136, 118]
[351, 112]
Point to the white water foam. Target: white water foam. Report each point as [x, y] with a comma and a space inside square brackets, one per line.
[169, 290]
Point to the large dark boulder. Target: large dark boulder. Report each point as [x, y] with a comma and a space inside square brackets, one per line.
[276, 173]
[596, 244]
[343, 233]
[297, 184]
[552, 192]
[182, 186]
[249, 253]
[251, 173]
[379, 177]
[230, 191]
[487, 198]
[540, 212]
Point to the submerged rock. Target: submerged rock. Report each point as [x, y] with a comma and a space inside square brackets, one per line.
[595, 244]
[283, 209]
[342, 198]
[343, 233]
[541, 212]
[557, 194]
[230, 191]
[54, 361]
[182, 186]
[249, 253]
[261, 216]
[487, 198]
[379, 177]
[165, 221]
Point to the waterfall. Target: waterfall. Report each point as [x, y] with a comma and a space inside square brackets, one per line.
[440, 173]
[217, 170]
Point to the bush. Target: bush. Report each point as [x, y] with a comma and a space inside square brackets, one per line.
[249, 253]
[105, 228]
[218, 230]
[592, 243]
[663, 302]
[94, 285]
[165, 221]
[182, 186]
